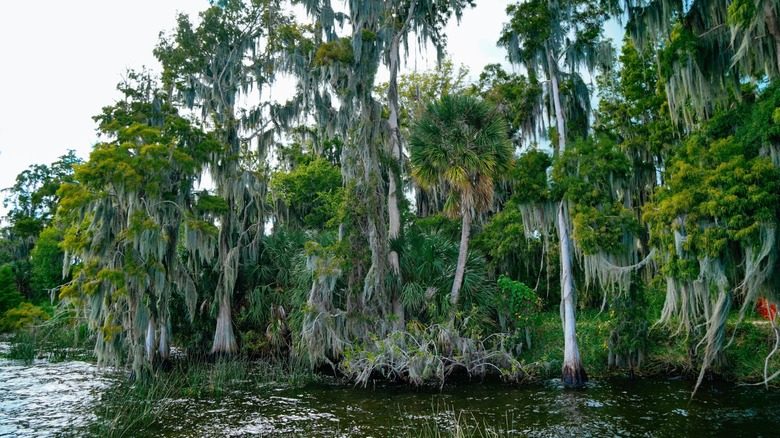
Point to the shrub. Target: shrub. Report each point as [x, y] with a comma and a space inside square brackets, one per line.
[22, 317]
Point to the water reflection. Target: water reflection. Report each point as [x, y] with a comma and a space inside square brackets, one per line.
[47, 399]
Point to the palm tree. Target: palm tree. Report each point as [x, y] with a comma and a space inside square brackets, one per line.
[461, 143]
[423, 17]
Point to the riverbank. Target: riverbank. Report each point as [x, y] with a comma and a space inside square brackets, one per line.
[667, 350]
[667, 353]
[76, 398]
[224, 391]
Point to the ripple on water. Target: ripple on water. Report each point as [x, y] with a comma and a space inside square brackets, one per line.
[48, 398]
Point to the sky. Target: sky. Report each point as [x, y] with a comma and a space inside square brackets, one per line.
[61, 62]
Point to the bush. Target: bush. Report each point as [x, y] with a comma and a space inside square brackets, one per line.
[23, 316]
[9, 296]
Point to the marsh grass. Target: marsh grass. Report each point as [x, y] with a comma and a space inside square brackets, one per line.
[141, 405]
[61, 338]
[445, 421]
[23, 347]
[129, 407]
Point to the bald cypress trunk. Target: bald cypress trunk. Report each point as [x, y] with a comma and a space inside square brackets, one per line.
[556, 95]
[165, 345]
[573, 373]
[394, 213]
[151, 339]
[224, 340]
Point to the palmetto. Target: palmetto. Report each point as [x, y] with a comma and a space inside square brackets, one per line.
[460, 145]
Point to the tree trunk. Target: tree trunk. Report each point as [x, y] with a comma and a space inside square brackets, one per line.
[135, 335]
[573, 372]
[559, 121]
[151, 339]
[774, 29]
[528, 336]
[393, 211]
[393, 121]
[224, 340]
[462, 254]
[165, 344]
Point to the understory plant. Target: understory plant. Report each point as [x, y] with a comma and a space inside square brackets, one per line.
[431, 354]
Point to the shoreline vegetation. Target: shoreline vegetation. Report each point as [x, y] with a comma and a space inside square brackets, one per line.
[140, 403]
[668, 356]
[603, 208]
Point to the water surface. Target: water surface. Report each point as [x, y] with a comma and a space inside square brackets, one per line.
[61, 399]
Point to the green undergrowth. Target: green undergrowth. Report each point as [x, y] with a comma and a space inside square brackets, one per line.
[669, 351]
[60, 338]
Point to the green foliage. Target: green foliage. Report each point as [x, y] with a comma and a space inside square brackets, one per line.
[529, 177]
[208, 204]
[541, 36]
[334, 51]
[439, 224]
[33, 198]
[711, 48]
[510, 253]
[629, 327]
[47, 257]
[124, 213]
[516, 96]
[417, 89]
[593, 175]
[633, 109]
[721, 183]
[22, 317]
[311, 194]
[523, 303]
[531, 22]
[428, 262]
[9, 296]
[461, 143]
[32, 201]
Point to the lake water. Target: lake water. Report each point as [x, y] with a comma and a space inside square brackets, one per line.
[61, 399]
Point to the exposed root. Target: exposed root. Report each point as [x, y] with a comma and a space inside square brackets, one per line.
[429, 354]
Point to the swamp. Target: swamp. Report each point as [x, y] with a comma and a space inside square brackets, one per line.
[288, 228]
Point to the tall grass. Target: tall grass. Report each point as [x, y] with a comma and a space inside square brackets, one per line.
[62, 337]
[24, 346]
[130, 407]
[141, 405]
[447, 422]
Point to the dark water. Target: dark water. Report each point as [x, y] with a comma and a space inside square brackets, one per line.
[60, 399]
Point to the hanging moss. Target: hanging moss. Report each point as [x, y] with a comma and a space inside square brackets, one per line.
[716, 220]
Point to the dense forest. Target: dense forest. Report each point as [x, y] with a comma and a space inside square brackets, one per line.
[427, 226]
